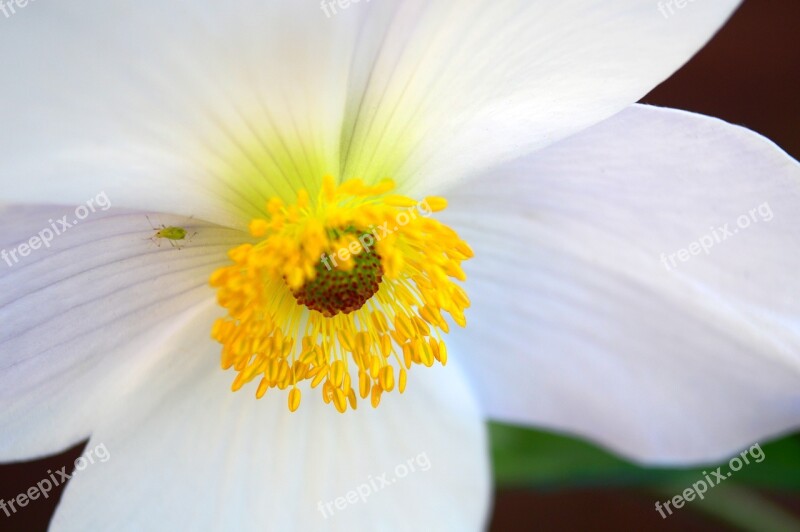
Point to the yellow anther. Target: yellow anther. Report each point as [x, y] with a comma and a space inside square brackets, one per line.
[442, 353]
[294, 399]
[435, 203]
[259, 227]
[376, 396]
[387, 378]
[363, 385]
[262, 388]
[400, 201]
[319, 377]
[351, 398]
[338, 370]
[327, 392]
[374, 367]
[339, 400]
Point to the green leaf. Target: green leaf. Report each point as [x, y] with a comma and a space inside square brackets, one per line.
[525, 457]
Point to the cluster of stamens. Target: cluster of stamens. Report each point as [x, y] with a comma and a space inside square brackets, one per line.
[356, 282]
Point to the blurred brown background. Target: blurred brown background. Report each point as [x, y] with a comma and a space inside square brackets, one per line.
[750, 75]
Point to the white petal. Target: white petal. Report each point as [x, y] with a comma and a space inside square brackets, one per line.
[206, 108]
[459, 86]
[85, 317]
[577, 323]
[196, 456]
[162, 106]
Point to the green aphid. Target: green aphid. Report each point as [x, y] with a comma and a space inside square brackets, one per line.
[170, 233]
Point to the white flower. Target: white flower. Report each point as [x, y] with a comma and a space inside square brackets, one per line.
[205, 110]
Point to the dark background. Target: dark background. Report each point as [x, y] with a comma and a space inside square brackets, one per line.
[749, 74]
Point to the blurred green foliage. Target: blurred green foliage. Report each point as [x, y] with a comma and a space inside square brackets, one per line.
[531, 458]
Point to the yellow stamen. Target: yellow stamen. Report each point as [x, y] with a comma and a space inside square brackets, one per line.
[354, 280]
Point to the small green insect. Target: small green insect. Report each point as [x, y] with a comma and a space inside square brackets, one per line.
[170, 233]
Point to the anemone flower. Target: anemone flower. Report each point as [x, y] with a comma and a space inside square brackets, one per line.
[301, 190]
